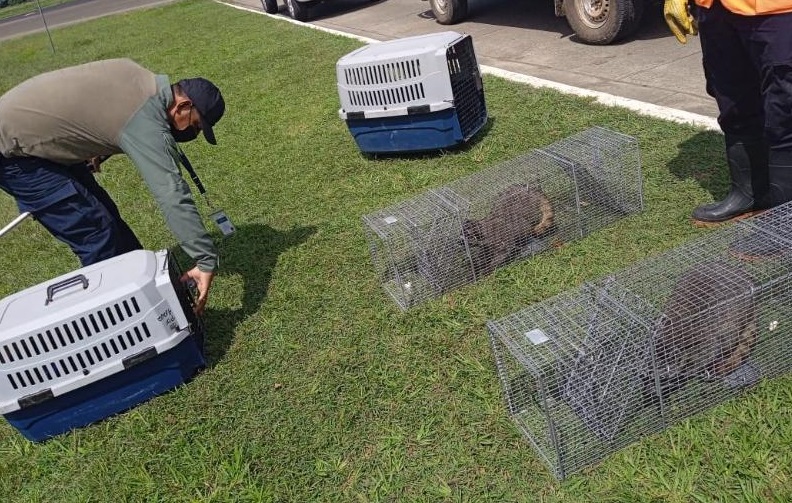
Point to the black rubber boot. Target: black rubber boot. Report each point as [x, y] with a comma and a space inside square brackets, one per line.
[759, 245]
[748, 169]
[780, 178]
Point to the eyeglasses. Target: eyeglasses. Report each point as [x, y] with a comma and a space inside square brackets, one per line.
[200, 120]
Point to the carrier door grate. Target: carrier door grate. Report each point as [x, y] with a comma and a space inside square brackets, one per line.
[466, 86]
[183, 294]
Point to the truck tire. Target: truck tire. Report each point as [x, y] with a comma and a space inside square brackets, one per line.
[634, 21]
[449, 11]
[270, 6]
[298, 11]
[601, 22]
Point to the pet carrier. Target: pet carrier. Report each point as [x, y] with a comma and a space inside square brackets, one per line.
[592, 370]
[459, 233]
[412, 94]
[95, 342]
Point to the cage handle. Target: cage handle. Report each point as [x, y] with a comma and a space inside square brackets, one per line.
[18, 220]
[63, 285]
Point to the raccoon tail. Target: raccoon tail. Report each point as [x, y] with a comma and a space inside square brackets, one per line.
[548, 215]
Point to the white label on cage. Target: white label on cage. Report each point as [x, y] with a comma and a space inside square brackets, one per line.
[536, 336]
[390, 220]
[773, 325]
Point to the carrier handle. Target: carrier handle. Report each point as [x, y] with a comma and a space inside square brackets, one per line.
[66, 283]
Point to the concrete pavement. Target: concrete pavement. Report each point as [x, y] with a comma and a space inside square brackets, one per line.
[525, 37]
[518, 39]
[69, 13]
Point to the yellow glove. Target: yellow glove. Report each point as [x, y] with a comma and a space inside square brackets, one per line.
[677, 16]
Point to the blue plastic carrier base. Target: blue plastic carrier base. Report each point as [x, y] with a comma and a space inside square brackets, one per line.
[408, 133]
[109, 396]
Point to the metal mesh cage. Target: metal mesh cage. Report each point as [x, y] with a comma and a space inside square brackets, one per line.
[595, 369]
[416, 247]
[598, 158]
[456, 234]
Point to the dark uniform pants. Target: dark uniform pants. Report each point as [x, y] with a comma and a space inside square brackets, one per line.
[748, 68]
[69, 203]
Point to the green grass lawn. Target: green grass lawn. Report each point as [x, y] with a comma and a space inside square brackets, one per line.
[318, 387]
[27, 7]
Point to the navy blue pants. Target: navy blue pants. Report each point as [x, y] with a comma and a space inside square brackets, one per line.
[69, 203]
[748, 68]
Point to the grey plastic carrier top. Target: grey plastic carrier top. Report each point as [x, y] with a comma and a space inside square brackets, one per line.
[87, 325]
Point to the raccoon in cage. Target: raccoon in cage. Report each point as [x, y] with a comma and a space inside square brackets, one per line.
[519, 214]
[707, 329]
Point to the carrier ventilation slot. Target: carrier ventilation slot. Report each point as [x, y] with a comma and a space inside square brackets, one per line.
[82, 361]
[69, 332]
[385, 97]
[385, 73]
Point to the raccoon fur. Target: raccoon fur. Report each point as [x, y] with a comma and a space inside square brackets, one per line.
[708, 326]
[519, 213]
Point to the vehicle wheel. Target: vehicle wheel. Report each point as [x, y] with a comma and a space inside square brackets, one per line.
[297, 10]
[449, 11]
[270, 6]
[601, 22]
[639, 6]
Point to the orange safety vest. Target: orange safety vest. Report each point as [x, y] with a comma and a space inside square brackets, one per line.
[752, 7]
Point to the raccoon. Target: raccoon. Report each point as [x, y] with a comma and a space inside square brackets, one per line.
[519, 214]
[708, 326]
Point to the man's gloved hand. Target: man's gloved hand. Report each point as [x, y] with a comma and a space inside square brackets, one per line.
[677, 16]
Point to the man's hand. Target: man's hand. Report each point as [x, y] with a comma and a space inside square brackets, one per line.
[203, 281]
[677, 16]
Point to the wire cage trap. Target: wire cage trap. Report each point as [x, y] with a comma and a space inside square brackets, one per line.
[412, 94]
[458, 233]
[95, 342]
[595, 369]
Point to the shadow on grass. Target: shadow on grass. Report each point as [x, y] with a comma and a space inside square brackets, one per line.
[252, 252]
[702, 158]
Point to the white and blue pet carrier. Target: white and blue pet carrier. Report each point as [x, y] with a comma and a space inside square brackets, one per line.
[95, 342]
[412, 94]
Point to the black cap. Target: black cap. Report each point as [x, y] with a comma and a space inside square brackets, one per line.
[207, 99]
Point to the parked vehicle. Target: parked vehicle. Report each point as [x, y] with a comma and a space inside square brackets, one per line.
[597, 22]
[298, 9]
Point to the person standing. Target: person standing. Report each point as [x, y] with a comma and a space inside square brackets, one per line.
[746, 49]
